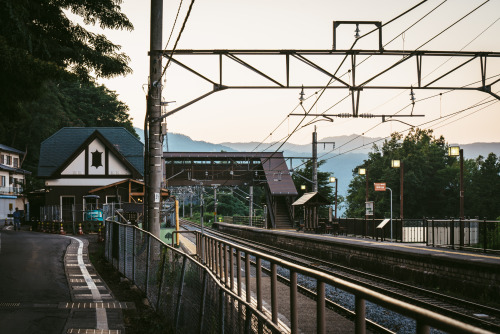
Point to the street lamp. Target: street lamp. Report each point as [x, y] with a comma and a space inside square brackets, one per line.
[454, 151]
[399, 164]
[334, 179]
[303, 187]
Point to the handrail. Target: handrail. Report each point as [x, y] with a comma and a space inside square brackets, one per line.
[424, 318]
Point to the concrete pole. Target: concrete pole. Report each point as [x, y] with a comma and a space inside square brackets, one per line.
[401, 177]
[462, 184]
[250, 213]
[154, 113]
[315, 160]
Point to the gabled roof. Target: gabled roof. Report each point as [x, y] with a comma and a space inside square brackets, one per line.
[311, 199]
[10, 149]
[58, 148]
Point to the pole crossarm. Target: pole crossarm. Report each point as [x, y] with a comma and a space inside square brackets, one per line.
[304, 56]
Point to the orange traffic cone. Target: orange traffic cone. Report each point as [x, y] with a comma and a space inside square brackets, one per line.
[62, 229]
[80, 228]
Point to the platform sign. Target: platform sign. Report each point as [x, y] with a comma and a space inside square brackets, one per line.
[379, 186]
[369, 208]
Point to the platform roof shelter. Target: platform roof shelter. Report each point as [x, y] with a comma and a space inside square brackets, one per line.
[311, 202]
[236, 169]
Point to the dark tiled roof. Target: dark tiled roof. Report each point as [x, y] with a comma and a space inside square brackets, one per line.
[10, 149]
[278, 176]
[56, 149]
[14, 170]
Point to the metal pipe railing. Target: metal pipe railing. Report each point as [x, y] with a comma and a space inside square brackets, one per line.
[424, 318]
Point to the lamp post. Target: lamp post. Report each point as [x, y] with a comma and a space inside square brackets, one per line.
[334, 179]
[363, 171]
[454, 151]
[400, 164]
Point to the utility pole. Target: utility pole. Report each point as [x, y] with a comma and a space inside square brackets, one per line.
[154, 113]
[250, 213]
[315, 161]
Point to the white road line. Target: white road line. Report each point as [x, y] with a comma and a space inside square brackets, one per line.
[102, 319]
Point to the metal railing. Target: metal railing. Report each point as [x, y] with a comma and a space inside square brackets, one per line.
[257, 221]
[11, 190]
[228, 262]
[178, 287]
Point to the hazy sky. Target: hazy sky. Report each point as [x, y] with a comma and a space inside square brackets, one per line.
[252, 115]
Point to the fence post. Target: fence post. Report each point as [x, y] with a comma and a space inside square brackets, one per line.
[258, 274]
[461, 233]
[221, 310]
[124, 250]
[203, 297]
[179, 296]
[247, 278]
[161, 278]
[238, 271]
[452, 233]
[133, 255]
[433, 233]
[485, 235]
[147, 266]
[231, 267]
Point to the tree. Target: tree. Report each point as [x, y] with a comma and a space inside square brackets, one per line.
[38, 42]
[481, 192]
[48, 64]
[430, 177]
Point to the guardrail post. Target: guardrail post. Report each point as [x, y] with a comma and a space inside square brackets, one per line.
[179, 296]
[294, 315]
[247, 278]
[226, 269]
[274, 293]
[231, 266]
[360, 310]
[238, 271]
[422, 328]
[221, 268]
[320, 307]
[258, 274]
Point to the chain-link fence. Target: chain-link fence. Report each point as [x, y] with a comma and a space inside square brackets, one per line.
[178, 287]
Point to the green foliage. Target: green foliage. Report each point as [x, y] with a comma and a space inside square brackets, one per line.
[48, 64]
[431, 180]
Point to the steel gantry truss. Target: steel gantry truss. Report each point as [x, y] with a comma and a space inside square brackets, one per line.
[336, 82]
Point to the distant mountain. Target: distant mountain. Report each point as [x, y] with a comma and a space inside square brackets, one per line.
[349, 152]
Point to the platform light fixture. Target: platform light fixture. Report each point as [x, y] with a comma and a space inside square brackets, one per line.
[454, 151]
[395, 163]
[362, 171]
[303, 187]
[332, 180]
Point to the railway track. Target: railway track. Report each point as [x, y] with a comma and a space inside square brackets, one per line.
[466, 311]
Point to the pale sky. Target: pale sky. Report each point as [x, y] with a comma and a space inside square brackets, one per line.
[251, 115]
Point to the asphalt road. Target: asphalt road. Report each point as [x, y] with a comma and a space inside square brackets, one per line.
[32, 282]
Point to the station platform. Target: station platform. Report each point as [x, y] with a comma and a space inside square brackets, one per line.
[467, 273]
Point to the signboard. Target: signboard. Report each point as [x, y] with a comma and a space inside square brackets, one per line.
[379, 186]
[369, 208]
[157, 197]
